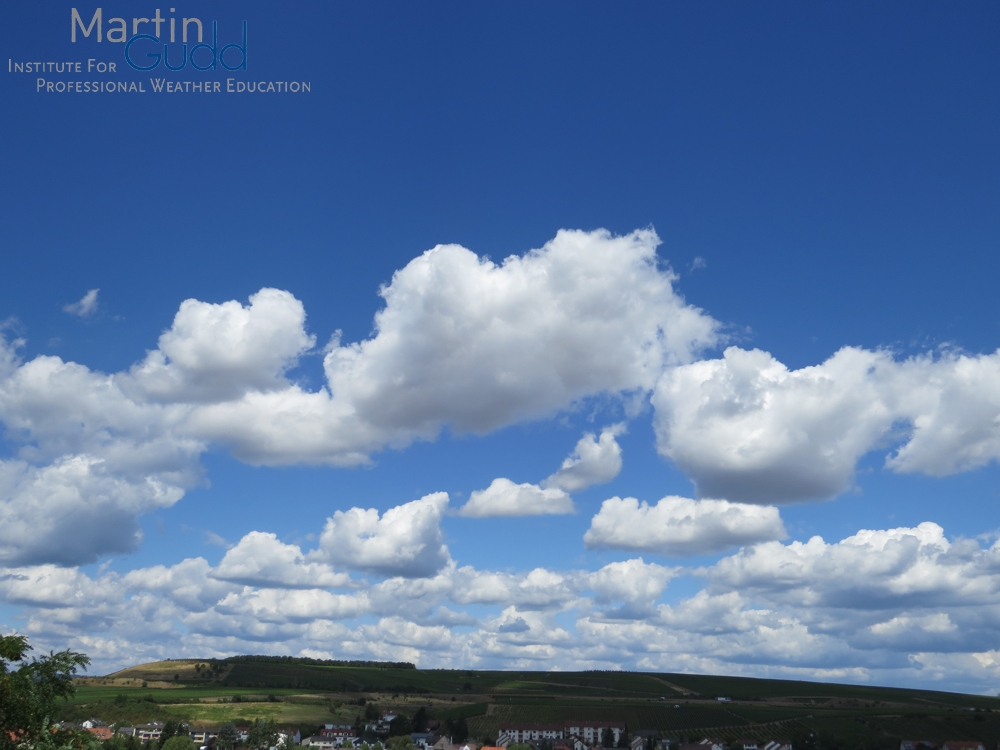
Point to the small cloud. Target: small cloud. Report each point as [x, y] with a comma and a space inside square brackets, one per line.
[697, 263]
[212, 538]
[12, 324]
[518, 626]
[594, 461]
[86, 307]
[505, 498]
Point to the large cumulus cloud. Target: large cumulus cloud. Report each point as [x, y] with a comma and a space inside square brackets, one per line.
[745, 427]
[476, 345]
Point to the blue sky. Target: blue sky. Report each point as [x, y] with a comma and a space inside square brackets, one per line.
[705, 203]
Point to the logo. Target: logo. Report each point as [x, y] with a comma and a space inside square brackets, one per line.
[167, 44]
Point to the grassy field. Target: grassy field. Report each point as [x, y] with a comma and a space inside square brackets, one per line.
[837, 716]
[283, 712]
[87, 693]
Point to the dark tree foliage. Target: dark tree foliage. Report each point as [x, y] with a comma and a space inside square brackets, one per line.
[420, 720]
[179, 742]
[458, 730]
[227, 738]
[400, 726]
[29, 690]
[263, 733]
[170, 729]
[121, 742]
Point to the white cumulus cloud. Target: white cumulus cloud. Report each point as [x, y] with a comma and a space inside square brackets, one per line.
[952, 403]
[260, 559]
[678, 526]
[636, 583]
[72, 510]
[405, 541]
[747, 428]
[218, 352]
[593, 461]
[465, 342]
[505, 498]
[872, 569]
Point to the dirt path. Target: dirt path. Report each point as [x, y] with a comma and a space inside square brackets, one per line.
[678, 688]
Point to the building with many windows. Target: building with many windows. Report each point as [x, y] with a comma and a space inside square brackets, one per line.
[590, 733]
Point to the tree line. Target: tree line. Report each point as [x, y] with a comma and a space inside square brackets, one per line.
[304, 660]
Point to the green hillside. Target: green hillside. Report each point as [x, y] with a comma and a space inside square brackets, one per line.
[308, 693]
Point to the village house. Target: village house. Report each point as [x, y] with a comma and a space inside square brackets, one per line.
[649, 737]
[201, 737]
[149, 732]
[320, 743]
[338, 731]
[424, 740]
[590, 732]
[513, 734]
